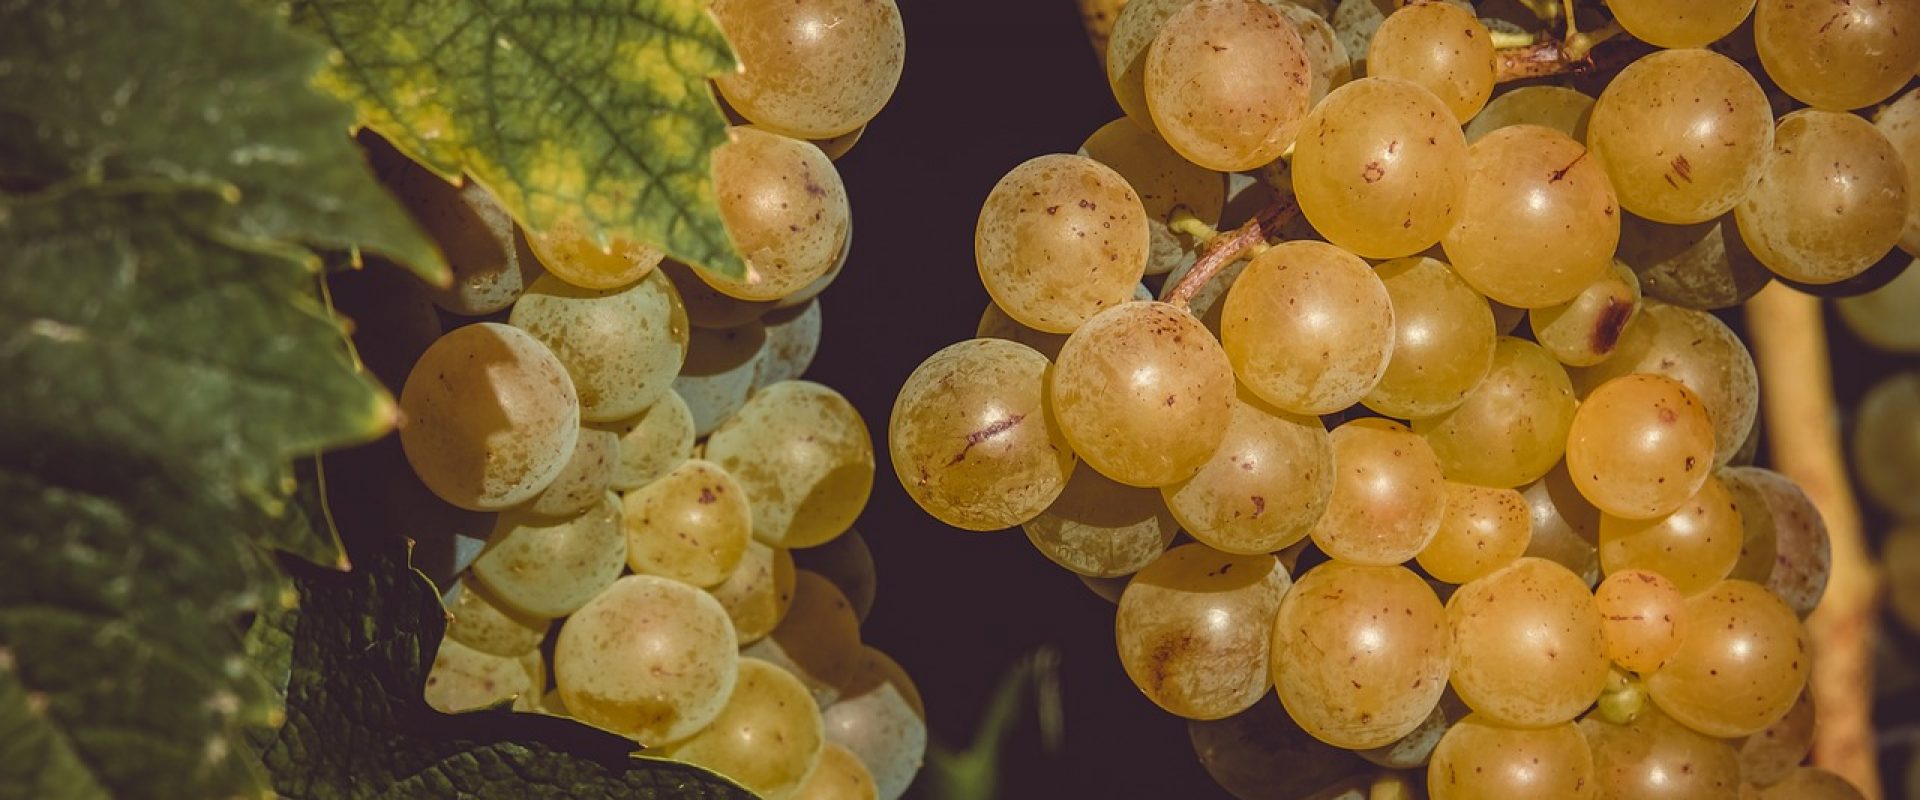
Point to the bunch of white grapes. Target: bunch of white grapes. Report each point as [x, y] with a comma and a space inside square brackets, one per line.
[654, 463]
[1527, 558]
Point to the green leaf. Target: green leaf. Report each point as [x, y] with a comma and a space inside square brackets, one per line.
[306, 530]
[206, 93]
[589, 111]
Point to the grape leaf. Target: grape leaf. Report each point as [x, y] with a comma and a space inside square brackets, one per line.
[594, 112]
[204, 93]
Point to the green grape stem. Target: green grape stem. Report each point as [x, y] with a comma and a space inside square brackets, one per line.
[1224, 249]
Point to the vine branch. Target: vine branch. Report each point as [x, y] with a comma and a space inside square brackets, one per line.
[1227, 247]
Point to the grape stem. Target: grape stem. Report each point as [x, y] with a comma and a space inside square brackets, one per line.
[1225, 248]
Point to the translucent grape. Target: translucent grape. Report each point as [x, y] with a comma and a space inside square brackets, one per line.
[1585, 330]
[1060, 239]
[1640, 615]
[1442, 49]
[1801, 556]
[1227, 83]
[570, 252]
[812, 69]
[1704, 266]
[995, 324]
[652, 443]
[478, 620]
[1167, 184]
[1143, 393]
[1566, 528]
[1742, 662]
[548, 568]
[489, 258]
[1480, 758]
[1883, 318]
[1561, 108]
[793, 339]
[488, 417]
[1812, 783]
[839, 776]
[1443, 340]
[1772, 754]
[1483, 529]
[585, 478]
[786, 208]
[1102, 528]
[1388, 494]
[759, 592]
[719, 372]
[1640, 446]
[803, 455]
[1193, 626]
[881, 719]
[972, 437]
[1886, 444]
[1360, 653]
[465, 679]
[1698, 350]
[1666, 24]
[1538, 222]
[1695, 546]
[622, 347]
[1265, 485]
[1381, 167]
[1683, 135]
[691, 525]
[1899, 121]
[1837, 56]
[819, 638]
[848, 564]
[769, 736]
[1527, 645]
[1332, 312]
[1511, 428]
[649, 658]
[1655, 758]
[1831, 201]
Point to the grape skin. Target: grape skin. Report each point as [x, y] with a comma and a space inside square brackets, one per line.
[881, 719]
[587, 475]
[1640, 616]
[652, 443]
[1538, 221]
[759, 591]
[1831, 201]
[1683, 134]
[1837, 58]
[786, 208]
[1060, 239]
[1167, 185]
[818, 640]
[1695, 546]
[1263, 488]
[1102, 528]
[1656, 758]
[1742, 662]
[1771, 755]
[1886, 444]
[1483, 529]
[1192, 629]
[1899, 121]
[805, 459]
[839, 776]
[1479, 758]
[1512, 427]
[1227, 83]
[1586, 330]
[1332, 312]
[478, 620]
[622, 347]
[814, 69]
[1440, 47]
[769, 736]
[1380, 167]
[465, 679]
[718, 375]
[1801, 555]
[649, 658]
[1698, 350]
[1811, 783]
[1388, 495]
[1528, 644]
[549, 568]
[691, 525]
[567, 252]
[1444, 340]
[1667, 24]
[1561, 108]
[1640, 446]
[487, 254]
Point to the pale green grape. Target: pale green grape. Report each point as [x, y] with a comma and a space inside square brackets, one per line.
[570, 252]
[793, 339]
[1802, 555]
[815, 68]
[1812, 783]
[1585, 330]
[1441, 48]
[1772, 754]
[786, 208]
[1655, 758]
[1899, 121]
[1640, 615]
[649, 658]
[1702, 266]
[718, 375]
[839, 776]
[1193, 626]
[848, 563]
[1527, 645]
[1102, 528]
[759, 592]
[1483, 529]
[1381, 167]
[489, 258]
[587, 475]
[1668, 24]
[548, 568]
[802, 453]
[1167, 184]
[995, 324]
[818, 640]
[465, 679]
[1360, 654]
[1838, 56]
[1698, 350]
[1883, 318]
[1227, 83]
[1388, 494]
[769, 736]
[1695, 546]
[1538, 222]
[1566, 528]
[691, 525]
[1832, 200]
[1683, 134]
[1265, 485]
[1331, 311]
[1561, 108]
[1742, 662]
[478, 620]
[652, 443]
[1444, 338]
[1511, 428]
[1640, 446]
[622, 347]
[1060, 239]
[880, 718]
[1479, 758]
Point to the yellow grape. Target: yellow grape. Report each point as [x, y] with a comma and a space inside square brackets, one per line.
[718, 375]
[1227, 83]
[1566, 528]
[649, 658]
[1380, 167]
[1832, 200]
[847, 563]
[478, 620]
[1696, 349]
[622, 347]
[758, 593]
[1561, 108]
[691, 525]
[1444, 338]
[1441, 48]
[1640, 615]
[881, 719]
[1683, 134]
[1193, 626]
[1667, 24]
[1838, 56]
[1883, 318]
[465, 679]
[1143, 393]
[1483, 529]
[995, 324]
[1332, 67]
[786, 208]
[818, 640]
[1360, 654]
[1704, 266]
[548, 568]
[1308, 327]
[1102, 528]
[813, 68]
[1388, 494]
[802, 454]
[1640, 446]
[838, 146]
[1511, 428]
[1479, 758]
[1265, 485]
[1167, 184]
[768, 737]
[1584, 331]
[1899, 121]
[1538, 222]
[1654, 758]
[1527, 644]
[652, 443]
[1772, 754]
[972, 438]
[1742, 662]
[839, 776]
[1695, 546]
[1060, 239]
[1799, 553]
[1812, 783]
[587, 475]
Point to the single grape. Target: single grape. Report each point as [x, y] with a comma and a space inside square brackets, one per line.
[1698, 350]
[1060, 239]
[649, 658]
[813, 69]
[1265, 485]
[1561, 108]
[1899, 121]
[786, 208]
[1584, 331]
[571, 253]
[1481, 758]
[1168, 186]
[1886, 444]
[1193, 626]
[1683, 135]
[1227, 83]
[465, 679]
[718, 375]
[691, 525]
[1811, 783]
[1771, 755]
[1883, 318]
[1640, 446]
[1381, 167]
[1695, 546]
[880, 718]
[1795, 536]
[1655, 758]
[995, 324]
[586, 477]
[1527, 645]
[484, 623]
[1640, 616]
[549, 568]
[1666, 24]
[802, 454]
[488, 417]
[793, 339]
[1360, 654]
[1441, 48]
[1388, 494]
[488, 256]
[653, 443]
[848, 564]
[768, 737]
[1483, 529]
[759, 592]
[1102, 528]
[1511, 428]
[1837, 56]
[622, 347]
[1331, 311]
[1702, 266]
[1538, 222]
[1831, 201]
[1566, 528]
[839, 776]
[1443, 340]
[1742, 662]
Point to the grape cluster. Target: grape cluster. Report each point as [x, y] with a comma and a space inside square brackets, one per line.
[1531, 560]
[672, 556]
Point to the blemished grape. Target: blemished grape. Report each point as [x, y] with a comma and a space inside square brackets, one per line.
[1667, 24]
[786, 208]
[1811, 783]
[622, 347]
[1380, 167]
[1696, 349]
[1655, 758]
[587, 475]
[1640, 616]
[759, 592]
[1561, 108]
[1527, 645]
[1265, 485]
[488, 256]
[768, 737]
[691, 525]
[488, 417]
[1332, 312]
[1886, 444]
[1695, 546]
[478, 620]
[1193, 626]
[548, 568]
[652, 443]
[793, 339]
[839, 776]
[1480, 758]
[848, 564]
[1837, 56]
[1332, 67]
[1442, 49]
[1772, 754]
[813, 69]
[1133, 33]
[1227, 83]
[1701, 266]
[1102, 528]
[1511, 428]
[1262, 754]
[803, 455]
[1483, 529]
[1832, 199]
[465, 679]
[1444, 338]
[1538, 221]
[1796, 536]
[569, 253]
[1899, 121]
[649, 658]
[1143, 393]
[1060, 239]
[1883, 318]
[819, 638]
[1388, 494]
[880, 718]
[1586, 330]
[1167, 185]
[972, 437]
[1360, 653]
[1566, 528]
[718, 375]
[995, 324]
[1742, 662]
[1683, 135]
[1640, 446]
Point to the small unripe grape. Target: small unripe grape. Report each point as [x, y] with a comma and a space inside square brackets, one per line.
[1640, 615]
[1742, 662]
[1695, 546]
[1483, 529]
[1388, 494]
[1060, 239]
[1443, 49]
[1479, 758]
[1332, 312]
[1227, 83]
[1511, 428]
[1640, 446]
[649, 658]
[1193, 629]
[1528, 648]
[1444, 337]
[1360, 654]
